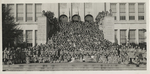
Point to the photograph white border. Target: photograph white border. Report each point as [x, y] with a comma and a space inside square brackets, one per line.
[75, 72]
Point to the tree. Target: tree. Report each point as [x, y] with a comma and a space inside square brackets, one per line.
[10, 29]
[52, 22]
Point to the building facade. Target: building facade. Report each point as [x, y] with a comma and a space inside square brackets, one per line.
[127, 17]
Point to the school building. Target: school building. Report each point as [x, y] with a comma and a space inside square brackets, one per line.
[128, 15]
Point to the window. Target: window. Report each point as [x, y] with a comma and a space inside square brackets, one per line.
[140, 11]
[114, 10]
[131, 36]
[131, 11]
[38, 11]
[131, 17]
[36, 37]
[63, 5]
[122, 11]
[29, 12]
[29, 38]
[19, 12]
[11, 6]
[88, 5]
[122, 36]
[141, 36]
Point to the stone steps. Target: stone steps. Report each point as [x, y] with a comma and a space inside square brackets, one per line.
[72, 67]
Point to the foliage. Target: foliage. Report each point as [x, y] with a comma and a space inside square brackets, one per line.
[52, 22]
[9, 28]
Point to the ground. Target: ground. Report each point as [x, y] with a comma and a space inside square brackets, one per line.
[71, 67]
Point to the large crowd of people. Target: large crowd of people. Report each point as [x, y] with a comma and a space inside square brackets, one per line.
[77, 41]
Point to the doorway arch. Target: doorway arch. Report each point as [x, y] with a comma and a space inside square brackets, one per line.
[88, 18]
[76, 18]
[63, 18]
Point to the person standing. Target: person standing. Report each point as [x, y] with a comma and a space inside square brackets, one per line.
[5, 55]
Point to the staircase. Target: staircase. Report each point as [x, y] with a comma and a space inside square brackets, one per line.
[71, 67]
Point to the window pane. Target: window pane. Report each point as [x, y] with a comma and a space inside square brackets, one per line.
[19, 7]
[19, 12]
[122, 8]
[122, 36]
[38, 11]
[122, 17]
[29, 17]
[132, 36]
[141, 7]
[131, 8]
[20, 37]
[140, 17]
[113, 7]
[29, 36]
[11, 6]
[38, 7]
[29, 12]
[36, 36]
[141, 36]
[141, 11]
[131, 17]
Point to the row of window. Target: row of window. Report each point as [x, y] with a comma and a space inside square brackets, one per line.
[131, 36]
[29, 37]
[29, 9]
[131, 8]
[123, 39]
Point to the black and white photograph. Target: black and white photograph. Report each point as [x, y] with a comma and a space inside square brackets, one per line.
[74, 36]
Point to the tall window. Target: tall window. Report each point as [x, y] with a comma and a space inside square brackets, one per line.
[141, 11]
[20, 37]
[132, 36]
[11, 6]
[36, 36]
[29, 12]
[19, 13]
[38, 11]
[131, 11]
[113, 8]
[29, 38]
[122, 36]
[141, 36]
[122, 11]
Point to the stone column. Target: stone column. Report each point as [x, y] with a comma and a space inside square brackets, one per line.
[136, 11]
[24, 35]
[81, 11]
[24, 12]
[42, 30]
[15, 11]
[117, 14]
[127, 11]
[33, 37]
[108, 30]
[118, 36]
[137, 36]
[33, 7]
